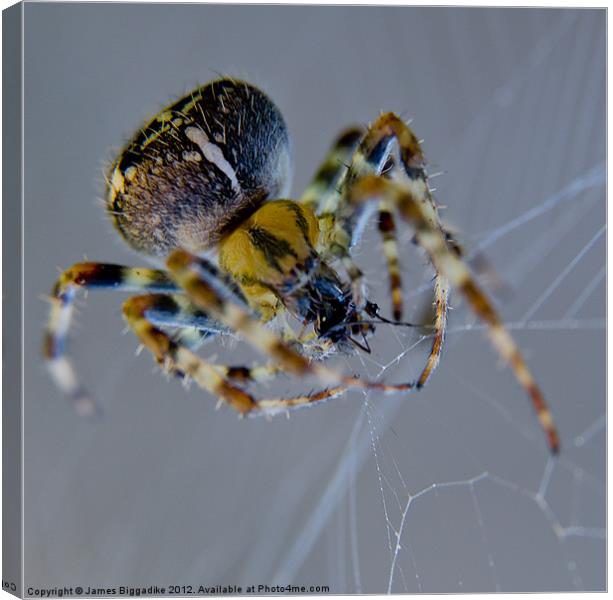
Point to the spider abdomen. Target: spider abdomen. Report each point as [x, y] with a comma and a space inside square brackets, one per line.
[202, 165]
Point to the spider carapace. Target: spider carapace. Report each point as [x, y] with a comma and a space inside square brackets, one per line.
[202, 189]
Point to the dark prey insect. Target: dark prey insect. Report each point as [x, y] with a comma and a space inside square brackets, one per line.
[209, 177]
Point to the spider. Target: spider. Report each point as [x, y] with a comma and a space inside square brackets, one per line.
[208, 177]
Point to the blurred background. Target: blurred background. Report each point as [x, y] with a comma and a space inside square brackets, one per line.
[447, 490]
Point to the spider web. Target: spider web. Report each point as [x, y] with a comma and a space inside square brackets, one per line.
[575, 524]
[449, 489]
[480, 524]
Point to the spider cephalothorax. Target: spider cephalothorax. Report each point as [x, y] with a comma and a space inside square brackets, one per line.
[207, 179]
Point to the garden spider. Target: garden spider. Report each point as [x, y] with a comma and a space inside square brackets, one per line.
[203, 177]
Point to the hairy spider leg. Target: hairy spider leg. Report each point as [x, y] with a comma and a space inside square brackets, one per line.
[386, 135]
[420, 215]
[322, 196]
[331, 169]
[193, 326]
[88, 276]
[354, 163]
[439, 326]
[216, 379]
[187, 270]
[176, 311]
[169, 310]
[176, 357]
[192, 337]
[441, 295]
[190, 326]
[387, 228]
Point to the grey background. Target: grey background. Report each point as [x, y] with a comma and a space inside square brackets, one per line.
[165, 490]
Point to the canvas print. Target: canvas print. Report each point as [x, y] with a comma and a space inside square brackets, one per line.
[313, 300]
